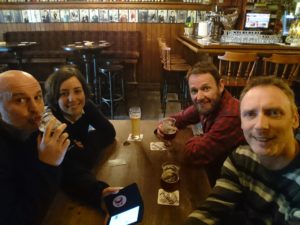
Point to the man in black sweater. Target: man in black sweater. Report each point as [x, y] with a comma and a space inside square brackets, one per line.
[30, 161]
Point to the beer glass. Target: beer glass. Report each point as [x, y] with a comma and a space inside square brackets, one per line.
[135, 117]
[46, 117]
[169, 180]
[168, 128]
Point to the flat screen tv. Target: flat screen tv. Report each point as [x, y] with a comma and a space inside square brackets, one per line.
[257, 21]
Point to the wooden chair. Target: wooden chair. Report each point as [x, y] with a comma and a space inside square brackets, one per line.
[236, 69]
[283, 66]
[173, 72]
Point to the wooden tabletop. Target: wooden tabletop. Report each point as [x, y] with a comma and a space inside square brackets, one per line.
[199, 46]
[143, 166]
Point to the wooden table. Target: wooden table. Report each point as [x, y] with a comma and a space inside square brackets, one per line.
[89, 55]
[17, 50]
[198, 46]
[143, 166]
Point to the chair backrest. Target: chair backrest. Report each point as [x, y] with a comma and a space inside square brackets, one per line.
[236, 65]
[283, 66]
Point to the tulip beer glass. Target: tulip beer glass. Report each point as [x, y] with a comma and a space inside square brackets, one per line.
[135, 117]
[170, 177]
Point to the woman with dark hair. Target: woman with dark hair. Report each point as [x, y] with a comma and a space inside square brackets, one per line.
[67, 95]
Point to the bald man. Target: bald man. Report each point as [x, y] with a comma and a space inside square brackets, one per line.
[29, 160]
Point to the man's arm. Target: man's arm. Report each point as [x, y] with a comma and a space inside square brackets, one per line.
[225, 196]
[186, 117]
[224, 135]
[81, 184]
[25, 195]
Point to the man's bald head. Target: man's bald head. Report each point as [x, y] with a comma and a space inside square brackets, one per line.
[14, 79]
[21, 101]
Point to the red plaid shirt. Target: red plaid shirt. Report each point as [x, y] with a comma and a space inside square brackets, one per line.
[222, 131]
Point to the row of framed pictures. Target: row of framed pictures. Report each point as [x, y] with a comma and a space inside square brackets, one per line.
[100, 16]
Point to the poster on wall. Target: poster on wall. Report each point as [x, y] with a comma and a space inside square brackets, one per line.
[74, 15]
[172, 16]
[103, 15]
[54, 15]
[84, 15]
[94, 16]
[132, 15]
[162, 16]
[35, 16]
[64, 15]
[45, 15]
[181, 16]
[123, 15]
[142, 15]
[113, 15]
[152, 16]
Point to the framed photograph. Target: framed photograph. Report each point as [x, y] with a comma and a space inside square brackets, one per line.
[162, 16]
[1, 17]
[25, 15]
[143, 16]
[181, 16]
[172, 16]
[103, 15]
[45, 15]
[35, 16]
[94, 16]
[7, 16]
[132, 15]
[64, 15]
[17, 16]
[123, 15]
[84, 15]
[74, 15]
[113, 15]
[152, 16]
[191, 16]
[54, 15]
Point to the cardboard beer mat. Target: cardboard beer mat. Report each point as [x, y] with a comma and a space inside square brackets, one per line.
[158, 146]
[168, 198]
[130, 138]
[117, 162]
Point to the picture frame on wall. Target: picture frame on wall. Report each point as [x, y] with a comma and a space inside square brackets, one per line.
[45, 15]
[133, 16]
[84, 15]
[7, 16]
[172, 16]
[123, 15]
[35, 16]
[25, 15]
[113, 15]
[94, 15]
[103, 15]
[181, 16]
[142, 15]
[152, 16]
[74, 15]
[162, 16]
[17, 16]
[65, 15]
[54, 16]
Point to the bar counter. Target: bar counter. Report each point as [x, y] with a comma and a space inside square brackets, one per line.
[198, 46]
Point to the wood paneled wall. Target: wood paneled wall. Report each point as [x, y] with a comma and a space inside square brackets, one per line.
[148, 70]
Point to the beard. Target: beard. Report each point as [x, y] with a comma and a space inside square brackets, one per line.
[209, 107]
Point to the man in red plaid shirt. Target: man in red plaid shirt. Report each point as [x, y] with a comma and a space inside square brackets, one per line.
[217, 111]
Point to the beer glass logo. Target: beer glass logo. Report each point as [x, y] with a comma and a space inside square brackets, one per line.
[119, 201]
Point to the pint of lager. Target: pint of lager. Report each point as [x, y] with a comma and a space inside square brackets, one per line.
[135, 117]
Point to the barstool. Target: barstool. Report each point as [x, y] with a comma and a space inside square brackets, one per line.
[111, 78]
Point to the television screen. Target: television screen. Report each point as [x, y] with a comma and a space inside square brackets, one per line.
[257, 20]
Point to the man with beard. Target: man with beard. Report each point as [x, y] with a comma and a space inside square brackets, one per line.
[259, 183]
[217, 111]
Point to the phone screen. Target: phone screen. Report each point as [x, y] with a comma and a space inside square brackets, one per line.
[127, 217]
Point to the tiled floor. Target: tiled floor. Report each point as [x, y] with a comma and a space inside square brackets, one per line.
[149, 101]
